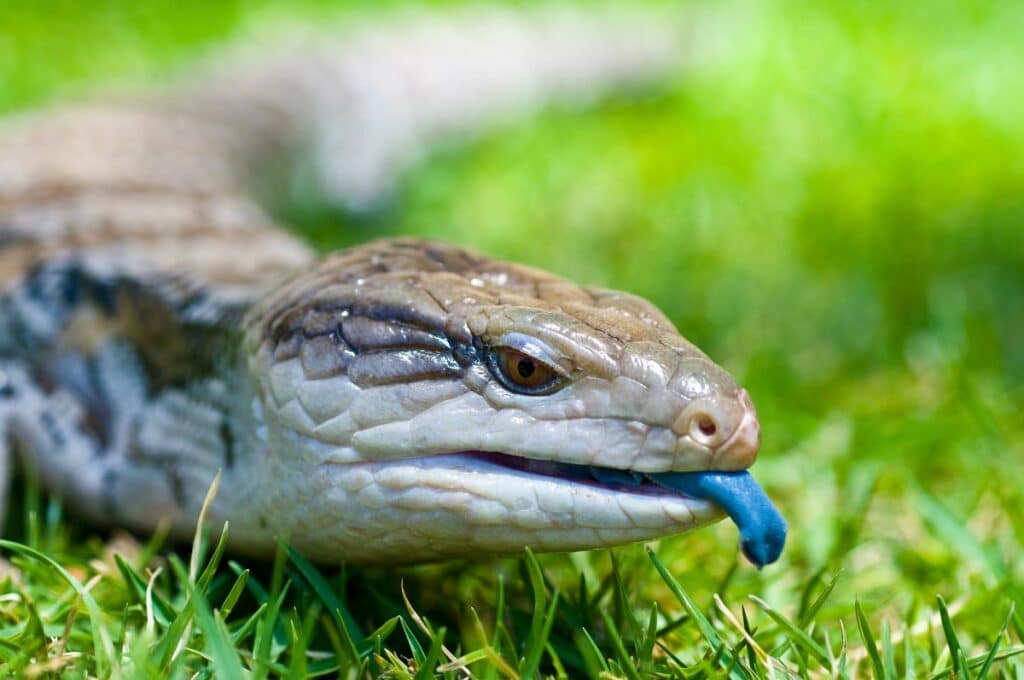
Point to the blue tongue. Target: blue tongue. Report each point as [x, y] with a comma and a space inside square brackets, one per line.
[762, 529]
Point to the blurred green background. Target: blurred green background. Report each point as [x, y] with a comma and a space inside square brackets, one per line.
[831, 205]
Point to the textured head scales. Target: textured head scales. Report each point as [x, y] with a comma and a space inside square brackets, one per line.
[382, 377]
[392, 315]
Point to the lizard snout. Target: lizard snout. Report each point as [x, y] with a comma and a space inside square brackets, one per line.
[729, 428]
[739, 451]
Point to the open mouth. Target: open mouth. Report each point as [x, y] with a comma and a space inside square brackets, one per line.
[607, 478]
[762, 529]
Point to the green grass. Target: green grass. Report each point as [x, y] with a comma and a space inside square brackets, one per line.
[833, 207]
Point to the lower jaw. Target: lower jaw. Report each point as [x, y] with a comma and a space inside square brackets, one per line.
[477, 504]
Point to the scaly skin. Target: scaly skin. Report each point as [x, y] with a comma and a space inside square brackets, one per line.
[370, 370]
[157, 326]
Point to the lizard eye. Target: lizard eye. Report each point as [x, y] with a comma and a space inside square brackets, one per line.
[522, 373]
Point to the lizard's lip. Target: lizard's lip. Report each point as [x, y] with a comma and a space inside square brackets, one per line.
[592, 475]
[762, 529]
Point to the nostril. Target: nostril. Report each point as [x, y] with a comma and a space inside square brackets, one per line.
[706, 425]
[704, 429]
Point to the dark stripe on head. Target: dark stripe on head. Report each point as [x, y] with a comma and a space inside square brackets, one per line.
[402, 366]
[325, 356]
[365, 333]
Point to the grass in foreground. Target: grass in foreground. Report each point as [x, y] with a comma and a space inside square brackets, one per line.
[831, 206]
[137, 611]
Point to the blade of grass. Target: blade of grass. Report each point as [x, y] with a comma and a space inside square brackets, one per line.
[955, 652]
[645, 645]
[908, 657]
[888, 655]
[297, 666]
[231, 599]
[532, 650]
[418, 655]
[987, 666]
[869, 641]
[706, 629]
[219, 646]
[978, 661]
[535, 645]
[263, 656]
[374, 639]
[102, 644]
[954, 532]
[347, 629]
[249, 624]
[625, 663]
[622, 599]
[139, 587]
[326, 593]
[350, 666]
[210, 570]
[796, 634]
[426, 669]
[591, 654]
[812, 611]
[197, 539]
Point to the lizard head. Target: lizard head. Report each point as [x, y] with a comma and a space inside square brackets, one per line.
[462, 406]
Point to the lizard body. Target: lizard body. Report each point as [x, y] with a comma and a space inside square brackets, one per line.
[400, 401]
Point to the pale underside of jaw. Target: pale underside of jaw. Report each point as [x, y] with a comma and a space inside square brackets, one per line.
[476, 502]
[451, 506]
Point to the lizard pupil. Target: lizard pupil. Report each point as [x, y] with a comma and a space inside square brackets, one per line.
[522, 373]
